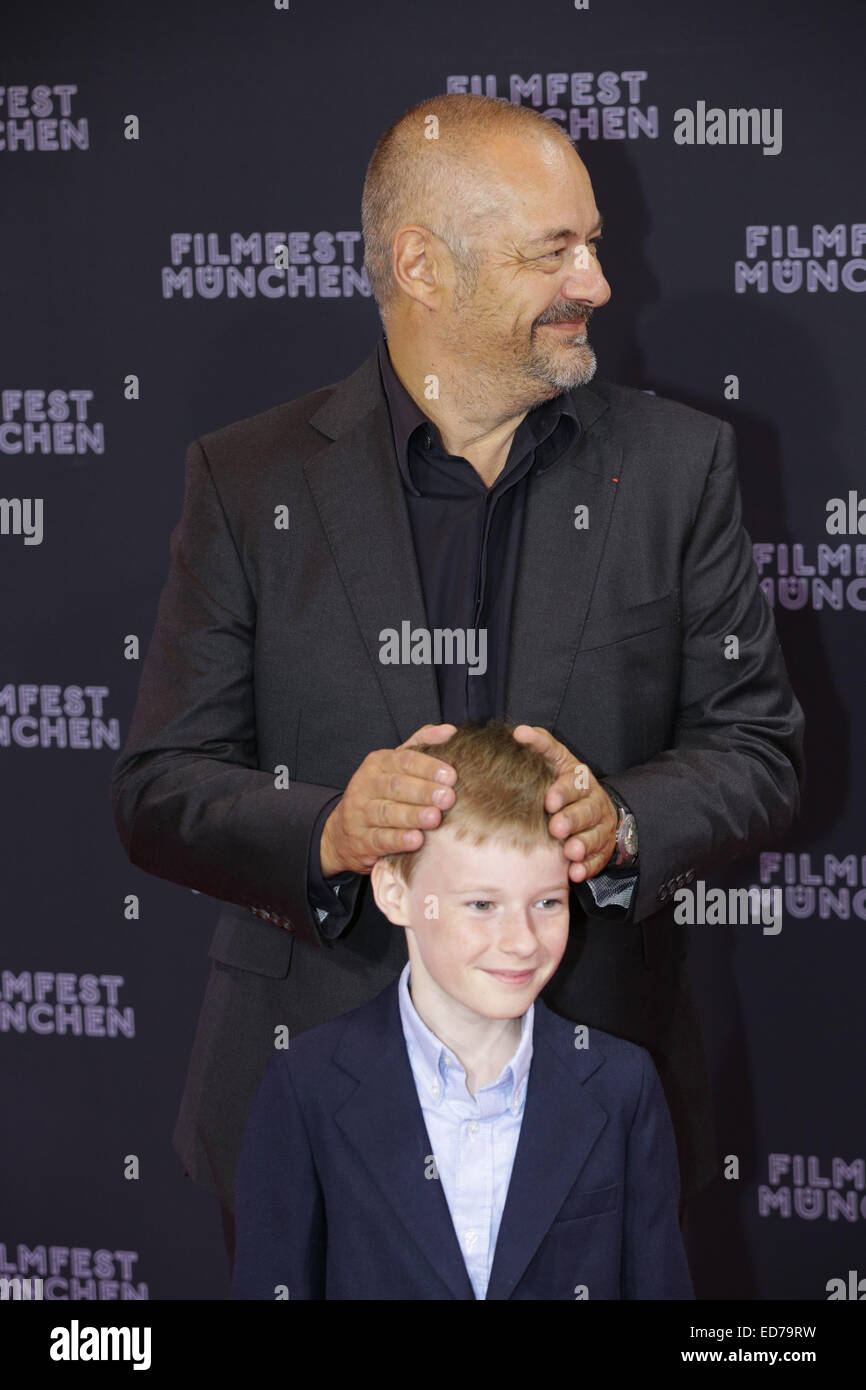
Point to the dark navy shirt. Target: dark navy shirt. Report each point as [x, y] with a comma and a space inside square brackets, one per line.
[467, 536]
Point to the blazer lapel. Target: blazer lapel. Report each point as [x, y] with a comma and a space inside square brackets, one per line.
[384, 1123]
[559, 564]
[357, 489]
[561, 1123]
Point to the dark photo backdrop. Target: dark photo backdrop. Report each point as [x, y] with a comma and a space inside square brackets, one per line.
[151, 157]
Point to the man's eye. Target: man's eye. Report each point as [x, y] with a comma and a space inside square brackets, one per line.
[553, 255]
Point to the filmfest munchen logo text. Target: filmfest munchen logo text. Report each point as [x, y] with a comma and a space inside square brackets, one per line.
[56, 716]
[824, 885]
[40, 118]
[811, 258]
[832, 578]
[799, 1186]
[588, 105]
[274, 265]
[38, 421]
[63, 1273]
[46, 1002]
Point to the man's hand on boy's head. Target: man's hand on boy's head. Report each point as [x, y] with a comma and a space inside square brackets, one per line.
[395, 795]
[586, 818]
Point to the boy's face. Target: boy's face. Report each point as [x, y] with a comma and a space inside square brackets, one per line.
[502, 922]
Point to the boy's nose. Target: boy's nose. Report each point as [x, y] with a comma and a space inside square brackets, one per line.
[517, 933]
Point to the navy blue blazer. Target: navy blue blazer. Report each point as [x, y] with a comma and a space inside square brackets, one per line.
[336, 1196]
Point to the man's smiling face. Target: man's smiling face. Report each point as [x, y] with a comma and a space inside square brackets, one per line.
[540, 279]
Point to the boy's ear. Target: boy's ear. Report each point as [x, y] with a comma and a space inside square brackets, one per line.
[390, 893]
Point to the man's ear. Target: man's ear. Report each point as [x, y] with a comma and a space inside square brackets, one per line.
[417, 263]
[390, 893]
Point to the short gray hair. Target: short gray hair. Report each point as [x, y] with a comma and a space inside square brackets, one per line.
[446, 184]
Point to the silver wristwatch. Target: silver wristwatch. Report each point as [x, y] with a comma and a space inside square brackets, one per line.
[626, 852]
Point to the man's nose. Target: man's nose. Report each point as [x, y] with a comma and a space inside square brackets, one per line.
[586, 280]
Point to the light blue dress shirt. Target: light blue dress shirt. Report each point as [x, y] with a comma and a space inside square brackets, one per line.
[473, 1138]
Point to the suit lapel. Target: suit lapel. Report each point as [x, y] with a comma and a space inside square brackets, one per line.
[561, 1123]
[558, 567]
[384, 1123]
[358, 492]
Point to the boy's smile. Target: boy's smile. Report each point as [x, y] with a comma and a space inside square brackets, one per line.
[487, 926]
[512, 977]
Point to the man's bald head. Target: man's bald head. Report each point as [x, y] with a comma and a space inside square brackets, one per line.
[452, 184]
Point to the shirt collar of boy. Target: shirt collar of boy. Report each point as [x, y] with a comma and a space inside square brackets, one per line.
[434, 1065]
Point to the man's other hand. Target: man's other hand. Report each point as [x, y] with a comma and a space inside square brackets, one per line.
[395, 795]
[586, 818]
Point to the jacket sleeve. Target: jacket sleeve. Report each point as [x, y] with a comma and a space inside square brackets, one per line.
[654, 1264]
[733, 778]
[190, 802]
[280, 1229]
[332, 899]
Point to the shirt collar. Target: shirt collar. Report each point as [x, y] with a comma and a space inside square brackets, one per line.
[406, 415]
[433, 1057]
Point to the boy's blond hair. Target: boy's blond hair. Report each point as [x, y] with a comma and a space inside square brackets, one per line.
[500, 790]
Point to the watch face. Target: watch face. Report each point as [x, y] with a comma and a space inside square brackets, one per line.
[629, 837]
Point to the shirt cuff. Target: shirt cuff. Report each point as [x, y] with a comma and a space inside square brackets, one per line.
[610, 891]
[610, 894]
[323, 894]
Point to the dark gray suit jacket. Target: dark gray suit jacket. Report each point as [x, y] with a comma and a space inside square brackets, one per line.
[265, 655]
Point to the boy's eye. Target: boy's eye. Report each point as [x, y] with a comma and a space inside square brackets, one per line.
[548, 903]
